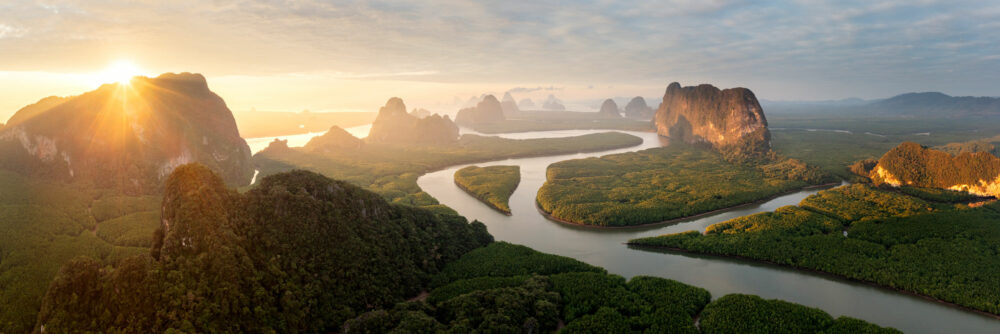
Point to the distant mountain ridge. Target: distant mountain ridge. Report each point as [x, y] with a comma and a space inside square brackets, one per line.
[924, 104]
[937, 104]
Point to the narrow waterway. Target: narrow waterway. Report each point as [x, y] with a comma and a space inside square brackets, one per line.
[721, 276]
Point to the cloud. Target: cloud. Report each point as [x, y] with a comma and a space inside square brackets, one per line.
[785, 49]
[533, 89]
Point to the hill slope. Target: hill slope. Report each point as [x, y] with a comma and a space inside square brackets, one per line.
[128, 136]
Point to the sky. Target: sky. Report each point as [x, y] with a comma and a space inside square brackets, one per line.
[354, 55]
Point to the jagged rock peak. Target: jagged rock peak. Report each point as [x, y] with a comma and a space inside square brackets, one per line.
[610, 108]
[729, 118]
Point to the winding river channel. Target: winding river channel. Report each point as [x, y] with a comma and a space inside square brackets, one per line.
[721, 276]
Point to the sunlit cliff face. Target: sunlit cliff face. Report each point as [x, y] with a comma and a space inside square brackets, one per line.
[129, 134]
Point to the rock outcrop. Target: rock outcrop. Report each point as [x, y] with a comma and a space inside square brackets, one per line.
[638, 109]
[488, 110]
[508, 105]
[609, 108]
[552, 103]
[394, 125]
[335, 139]
[914, 165]
[128, 136]
[729, 120]
[420, 113]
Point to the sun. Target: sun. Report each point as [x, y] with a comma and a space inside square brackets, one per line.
[120, 72]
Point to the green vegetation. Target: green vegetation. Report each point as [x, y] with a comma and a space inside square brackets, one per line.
[938, 195]
[298, 253]
[46, 224]
[913, 164]
[944, 251]
[751, 314]
[493, 185]
[661, 184]
[303, 253]
[528, 291]
[811, 138]
[391, 170]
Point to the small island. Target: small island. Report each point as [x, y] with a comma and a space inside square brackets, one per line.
[719, 157]
[492, 185]
[661, 184]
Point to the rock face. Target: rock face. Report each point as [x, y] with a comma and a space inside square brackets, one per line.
[335, 139]
[420, 113]
[128, 136]
[914, 165]
[729, 119]
[609, 108]
[637, 108]
[508, 105]
[394, 125]
[552, 103]
[488, 110]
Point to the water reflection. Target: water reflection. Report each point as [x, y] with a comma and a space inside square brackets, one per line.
[721, 276]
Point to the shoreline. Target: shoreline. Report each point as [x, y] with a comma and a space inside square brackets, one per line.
[550, 217]
[824, 274]
[484, 201]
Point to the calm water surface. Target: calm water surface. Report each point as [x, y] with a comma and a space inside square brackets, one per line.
[721, 276]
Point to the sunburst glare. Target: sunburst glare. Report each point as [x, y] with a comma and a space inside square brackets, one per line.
[120, 72]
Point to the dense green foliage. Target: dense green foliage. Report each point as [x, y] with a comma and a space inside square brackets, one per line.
[512, 288]
[46, 224]
[527, 291]
[938, 195]
[660, 184]
[391, 170]
[298, 253]
[945, 251]
[751, 314]
[834, 142]
[493, 185]
[502, 259]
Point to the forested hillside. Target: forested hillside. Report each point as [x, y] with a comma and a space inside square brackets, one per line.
[299, 253]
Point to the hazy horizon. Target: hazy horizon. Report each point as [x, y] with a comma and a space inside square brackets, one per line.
[352, 56]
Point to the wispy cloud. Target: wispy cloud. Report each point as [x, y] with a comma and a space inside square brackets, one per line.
[787, 49]
[533, 89]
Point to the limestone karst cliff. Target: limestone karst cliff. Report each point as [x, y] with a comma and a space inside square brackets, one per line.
[486, 111]
[552, 103]
[334, 139]
[609, 108]
[128, 135]
[914, 165]
[728, 120]
[394, 125]
[509, 105]
[638, 109]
